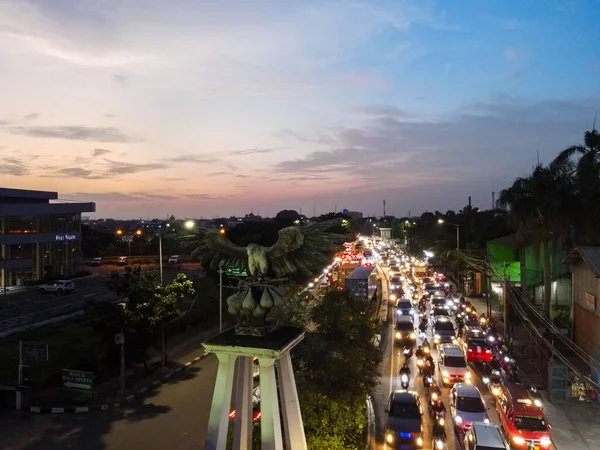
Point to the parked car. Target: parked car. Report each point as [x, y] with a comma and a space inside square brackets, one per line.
[57, 287]
[175, 260]
[123, 261]
[96, 262]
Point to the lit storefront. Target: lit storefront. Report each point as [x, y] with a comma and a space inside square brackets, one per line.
[39, 235]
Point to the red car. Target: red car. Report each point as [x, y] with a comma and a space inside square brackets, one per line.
[478, 350]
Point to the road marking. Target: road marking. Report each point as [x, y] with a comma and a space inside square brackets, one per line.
[128, 398]
[88, 295]
[168, 375]
[189, 363]
[155, 382]
[196, 358]
[144, 389]
[178, 369]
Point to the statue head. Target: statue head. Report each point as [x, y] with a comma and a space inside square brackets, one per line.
[252, 249]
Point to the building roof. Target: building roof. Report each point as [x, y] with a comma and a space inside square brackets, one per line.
[590, 255]
[505, 241]
[27, 194]
[360, 273]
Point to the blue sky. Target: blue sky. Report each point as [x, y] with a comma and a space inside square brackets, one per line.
[209, 108]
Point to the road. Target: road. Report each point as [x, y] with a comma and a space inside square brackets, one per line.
[27, 300]
[393, 361]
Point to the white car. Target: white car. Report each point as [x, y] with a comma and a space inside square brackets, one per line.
[453, 366]
[466, 407]
[57, 287]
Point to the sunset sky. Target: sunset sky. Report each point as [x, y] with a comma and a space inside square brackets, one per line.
[204, 108]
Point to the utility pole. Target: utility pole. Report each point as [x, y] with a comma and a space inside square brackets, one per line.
[384, 210]
[160, 257]
[221, 272]
[493, 200]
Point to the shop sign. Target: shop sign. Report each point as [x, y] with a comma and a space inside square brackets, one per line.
[66, 237]
[590, 301]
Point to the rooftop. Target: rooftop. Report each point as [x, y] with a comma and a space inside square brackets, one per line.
[360, 273]
[590, 255]
[9, 193]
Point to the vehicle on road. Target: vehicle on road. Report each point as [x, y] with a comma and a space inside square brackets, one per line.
[484, 436]
[123, 261]
[439, 302]
[466, 407]
[57, 287]
[96, 262]
[404, 427]
[453, 366]
[395, 282]
[444, 332]
[175, 260]
[405, 330]
[438, 312]
[405, 308]
[523, 422]
[477, 350]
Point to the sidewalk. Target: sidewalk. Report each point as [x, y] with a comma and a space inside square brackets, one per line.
[183, 350]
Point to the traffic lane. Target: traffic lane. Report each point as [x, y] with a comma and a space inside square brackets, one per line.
[107, 269]
[173, 415]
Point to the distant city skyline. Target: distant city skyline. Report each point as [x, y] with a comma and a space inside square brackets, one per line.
[152, 108]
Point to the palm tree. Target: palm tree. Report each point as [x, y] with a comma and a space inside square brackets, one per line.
[540, 210]
[587, 174]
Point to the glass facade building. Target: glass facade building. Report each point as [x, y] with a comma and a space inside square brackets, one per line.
[40, 236]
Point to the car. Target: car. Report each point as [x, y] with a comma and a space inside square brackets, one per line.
[484, 436]
[443, 331]
[477, 350]
[404, 428]
[96, 262]
[438, 312]
[439, 302]
[452, 365]
[405, 329]
[175, 260]
[466, 407]
[123, 261]
[396, 282]
[405, 308]
[57, 287]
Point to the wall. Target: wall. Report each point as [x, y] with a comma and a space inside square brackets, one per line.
[587, 322]
[504, 259]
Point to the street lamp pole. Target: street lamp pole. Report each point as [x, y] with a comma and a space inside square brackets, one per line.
[160, 257]
[221, 272]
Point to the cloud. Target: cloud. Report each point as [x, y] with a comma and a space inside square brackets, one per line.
[197, 159]
[78, 172]
[203, 197]
[511, 54]
[253, 151]
[121, 80]
[159, 197]
[124, 168]
[14, 167]
[173, 178]
[242, 176]
[32, 116]
[218, 174]
[481, 141]
[383, 110]
[74, 133]
[117, 197]
[101, 151]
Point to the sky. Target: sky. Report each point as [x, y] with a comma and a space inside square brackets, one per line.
[200, 108]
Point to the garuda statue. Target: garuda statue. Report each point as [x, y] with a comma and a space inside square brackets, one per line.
[298, 250]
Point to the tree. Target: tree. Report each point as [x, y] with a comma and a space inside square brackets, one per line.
[540, 206]
[151, 306]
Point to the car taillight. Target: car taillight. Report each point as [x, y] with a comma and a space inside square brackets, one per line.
[470, 349]
[488, 351]
[257, 415]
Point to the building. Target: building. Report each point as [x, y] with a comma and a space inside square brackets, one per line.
[584, 263]
[40, 236]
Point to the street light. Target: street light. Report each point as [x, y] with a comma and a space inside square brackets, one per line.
[189, 224]
[120, 233]
[160, 253]
[457, 232]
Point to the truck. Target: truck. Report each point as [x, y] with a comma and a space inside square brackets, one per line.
[362, 283]
[343, 271]
[420, 271]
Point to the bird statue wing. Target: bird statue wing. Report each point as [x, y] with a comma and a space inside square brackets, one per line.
[304, 250]
[215, 250]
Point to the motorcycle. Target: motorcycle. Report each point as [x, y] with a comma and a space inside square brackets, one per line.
[493, 382]
[427, 380]
[536, 396]
[407, 352]
[404, 381]
[439, 444]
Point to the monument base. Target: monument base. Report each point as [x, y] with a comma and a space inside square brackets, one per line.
[236, 353]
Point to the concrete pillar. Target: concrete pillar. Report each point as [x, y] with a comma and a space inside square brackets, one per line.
[292, 417]
[270, 422]
[218, 422]
[242, 424]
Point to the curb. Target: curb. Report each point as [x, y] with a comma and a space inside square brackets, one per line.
[113, 405]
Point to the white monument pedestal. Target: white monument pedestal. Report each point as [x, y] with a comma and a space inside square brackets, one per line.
[235, 355]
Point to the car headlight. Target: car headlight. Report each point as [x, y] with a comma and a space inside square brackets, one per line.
[486, 420]
[445, 374]
[458, 419]
[434, 396]
[398, 335]
[419, 441]
[486, 380]
[455, 341]
[496, 391]
[389, 438]
[518, 440]
[439, 445]
[436, 340]
[468, 375]
[537, 403]
[413, 336]
[437, 336]
[545, 441]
